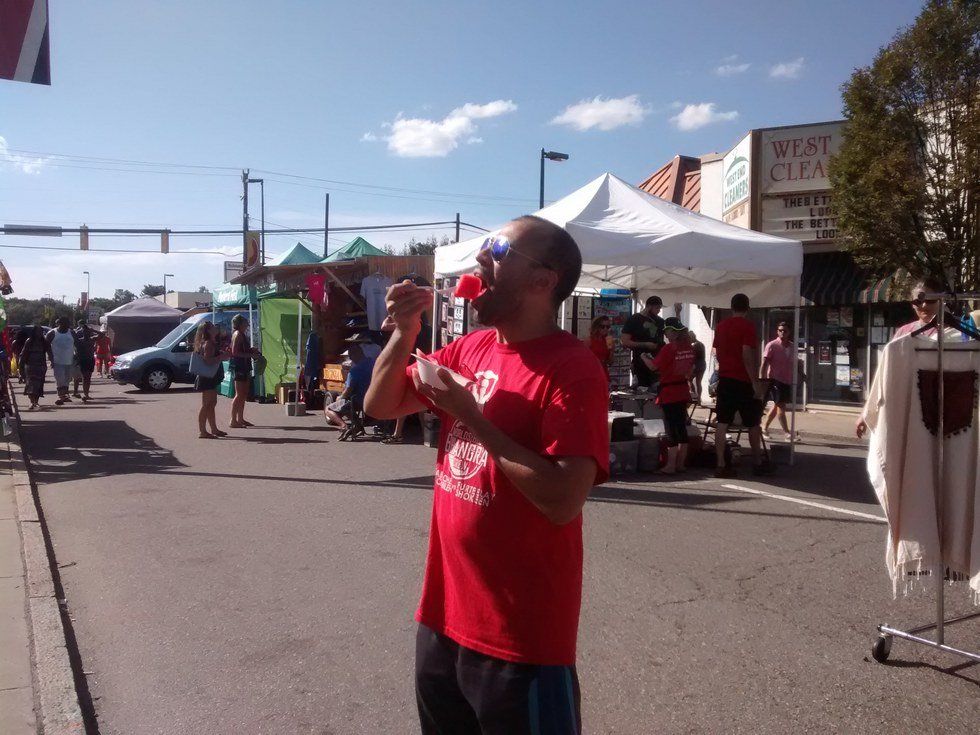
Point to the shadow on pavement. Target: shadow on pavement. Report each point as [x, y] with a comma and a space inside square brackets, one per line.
[696, 499]
[422, 482]
[80, 449]
[828, 474]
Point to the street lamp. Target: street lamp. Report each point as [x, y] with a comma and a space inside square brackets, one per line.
[551, 156]
[261, 183]
[165, 277]
[88, 284]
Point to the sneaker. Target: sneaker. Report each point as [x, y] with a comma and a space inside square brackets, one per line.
[725, 473]
[766, 468]
[59, 402]
[765, 433]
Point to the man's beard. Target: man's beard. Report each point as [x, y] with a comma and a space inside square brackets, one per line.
[498, 305]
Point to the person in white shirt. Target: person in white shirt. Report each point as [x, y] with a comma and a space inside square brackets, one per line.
[62, 343]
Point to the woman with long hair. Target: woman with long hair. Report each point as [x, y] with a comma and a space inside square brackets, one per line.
[207, 348]
[599, 341]
[34, 357]
[242, 353]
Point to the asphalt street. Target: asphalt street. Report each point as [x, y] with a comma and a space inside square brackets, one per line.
[265, 583]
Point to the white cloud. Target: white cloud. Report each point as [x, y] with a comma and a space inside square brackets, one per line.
[730, 59]
[787, 69]
[728, 68]
[491, 109]
[418, 137]
[24, 164]
[698, 115]
[604, 114]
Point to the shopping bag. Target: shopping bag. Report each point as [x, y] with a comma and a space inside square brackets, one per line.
[200, 368]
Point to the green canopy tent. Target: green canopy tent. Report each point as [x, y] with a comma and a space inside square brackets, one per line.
[356, 248]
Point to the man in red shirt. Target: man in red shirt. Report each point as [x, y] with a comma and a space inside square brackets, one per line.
[519, 451]
[739, 387]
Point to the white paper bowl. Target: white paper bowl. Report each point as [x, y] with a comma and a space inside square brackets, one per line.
[427, 372]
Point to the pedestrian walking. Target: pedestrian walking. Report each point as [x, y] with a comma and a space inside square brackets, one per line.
[207, 349]
[520, 449]
[778, 362]
[85, 344]
[675, 364]
[739, 389]
[103, 353]
[62, 342]
[33, 360]
[242, 353]
[643, 332]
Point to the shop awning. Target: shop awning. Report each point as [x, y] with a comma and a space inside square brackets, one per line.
[831, 279]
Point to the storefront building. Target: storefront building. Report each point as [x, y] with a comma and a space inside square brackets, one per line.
[775, 180]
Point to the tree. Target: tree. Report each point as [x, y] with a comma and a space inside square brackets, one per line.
[425, 247]
[203, 289]
[122, 296]
[151, 290]
[906, 178]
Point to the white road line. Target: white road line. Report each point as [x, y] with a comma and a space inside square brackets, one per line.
[800, 501]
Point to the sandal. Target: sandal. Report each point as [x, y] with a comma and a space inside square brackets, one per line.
[246, 424]
[206, 436]
[392, 440]
[218, 432]
[235, 426]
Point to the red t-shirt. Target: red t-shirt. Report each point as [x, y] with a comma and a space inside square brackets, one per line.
[500, 578]
[675, 363]
[600, 348]
[731, 335]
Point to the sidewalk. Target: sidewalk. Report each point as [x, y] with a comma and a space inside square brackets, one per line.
[817, 427]
[16, 685]
[37, 685]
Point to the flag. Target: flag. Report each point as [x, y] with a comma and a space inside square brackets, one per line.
[24, 54]
[3, 313]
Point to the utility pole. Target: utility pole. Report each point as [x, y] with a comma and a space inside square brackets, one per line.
[457, 226]
[326, 223]
[244, 217]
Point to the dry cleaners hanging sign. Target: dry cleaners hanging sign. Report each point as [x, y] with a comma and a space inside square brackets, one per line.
[797, 159]
[737, 169]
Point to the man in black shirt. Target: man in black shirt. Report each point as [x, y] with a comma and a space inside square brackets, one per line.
[644, 332]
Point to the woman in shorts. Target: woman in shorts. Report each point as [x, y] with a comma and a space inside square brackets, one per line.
[242, 353]
[675, 364]
[207, 348]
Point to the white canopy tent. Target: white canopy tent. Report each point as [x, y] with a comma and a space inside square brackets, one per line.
[633, 240]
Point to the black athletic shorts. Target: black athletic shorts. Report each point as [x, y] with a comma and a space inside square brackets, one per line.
[780, 392]
[645, 377]
[738, 397]
[461, 691]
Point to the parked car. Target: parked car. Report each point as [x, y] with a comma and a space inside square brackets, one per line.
[157, 368]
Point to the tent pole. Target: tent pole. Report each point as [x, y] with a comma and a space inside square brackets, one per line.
[299, 343]
[796, 375]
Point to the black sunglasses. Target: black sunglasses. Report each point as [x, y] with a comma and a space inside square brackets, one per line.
[923, 302]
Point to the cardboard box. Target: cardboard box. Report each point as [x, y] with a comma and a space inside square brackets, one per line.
[282, 392]
[334, 386]
[333, 372]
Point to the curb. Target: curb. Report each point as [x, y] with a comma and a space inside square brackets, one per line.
[55, 696]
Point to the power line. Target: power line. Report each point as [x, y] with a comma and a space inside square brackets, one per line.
[202, 170]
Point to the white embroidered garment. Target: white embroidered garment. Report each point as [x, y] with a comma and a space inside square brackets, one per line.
[374, 289]
[902, 414]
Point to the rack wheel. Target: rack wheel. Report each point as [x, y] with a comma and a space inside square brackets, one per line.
[881, 648]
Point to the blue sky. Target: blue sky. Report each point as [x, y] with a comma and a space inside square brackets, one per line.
[456, 98]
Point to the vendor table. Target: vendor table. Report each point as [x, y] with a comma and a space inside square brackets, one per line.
[641, 405]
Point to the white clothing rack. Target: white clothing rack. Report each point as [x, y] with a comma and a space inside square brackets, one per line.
[883, 645]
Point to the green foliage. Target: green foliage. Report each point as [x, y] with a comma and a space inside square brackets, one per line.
[38, 311]
[425, 247]
[121, 296]
[905, 179]
[151, 290]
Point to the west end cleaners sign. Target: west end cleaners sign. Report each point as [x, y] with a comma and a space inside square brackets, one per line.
[736, 183]
[797, 159]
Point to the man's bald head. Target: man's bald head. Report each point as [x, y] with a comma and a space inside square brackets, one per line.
[551, 245]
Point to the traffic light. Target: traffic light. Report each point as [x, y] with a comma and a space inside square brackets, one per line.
[83, 237]
[165, 241]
